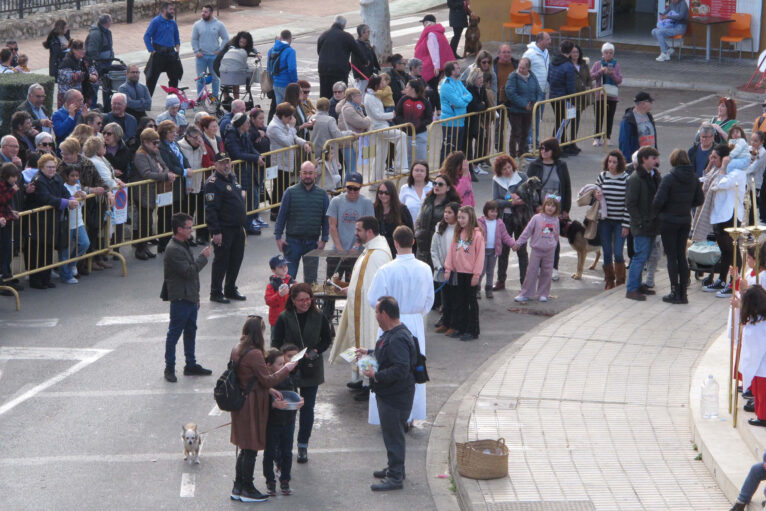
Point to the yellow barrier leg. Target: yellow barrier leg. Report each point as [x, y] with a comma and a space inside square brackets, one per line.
[15, 295]
[123, 262]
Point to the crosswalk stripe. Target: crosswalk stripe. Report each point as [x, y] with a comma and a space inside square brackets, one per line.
[130, 320]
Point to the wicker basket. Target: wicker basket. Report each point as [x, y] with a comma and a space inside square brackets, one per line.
[473, 462]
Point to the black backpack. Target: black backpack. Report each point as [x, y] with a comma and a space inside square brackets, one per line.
[273, 66]
[419, 371]
[227, 392]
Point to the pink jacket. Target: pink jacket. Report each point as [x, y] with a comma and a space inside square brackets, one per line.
[468, 259]
[422, 53]
[465, 190]
[501, 235]
[542, 232]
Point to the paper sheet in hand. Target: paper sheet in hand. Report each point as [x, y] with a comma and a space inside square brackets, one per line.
[349, 355]
[164, 199]
[299, 355]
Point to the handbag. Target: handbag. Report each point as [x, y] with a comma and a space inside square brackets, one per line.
[420, 371]
[612, 91]
[164, 291]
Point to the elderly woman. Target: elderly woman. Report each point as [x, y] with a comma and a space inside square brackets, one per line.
[281, 132]
[302, 324]
[375, 110]
[173, 113]
[95, 209]
[338, 93]
[326, 128]
[193, 149]
[81, 133]
[353, 117]
[117, 153]
[49, 190]
[606, 72]
[522, 91]
[75, 72]
[176, 163]
[213, 141]
[483, 63]
[94, 150]
[44, 143]
[148, 164]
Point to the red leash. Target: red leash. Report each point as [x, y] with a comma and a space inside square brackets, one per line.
[358, 71]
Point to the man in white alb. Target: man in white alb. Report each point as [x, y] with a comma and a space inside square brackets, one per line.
[410, 282]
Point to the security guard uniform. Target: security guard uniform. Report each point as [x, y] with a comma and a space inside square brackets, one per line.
[225, 213]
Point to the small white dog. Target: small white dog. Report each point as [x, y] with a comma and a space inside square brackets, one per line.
[192, 441]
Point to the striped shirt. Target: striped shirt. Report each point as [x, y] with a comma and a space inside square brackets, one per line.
[613, 188]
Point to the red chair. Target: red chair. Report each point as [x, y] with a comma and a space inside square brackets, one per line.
[680, 39]
[739, 30]
[577, 21]
[518, 19]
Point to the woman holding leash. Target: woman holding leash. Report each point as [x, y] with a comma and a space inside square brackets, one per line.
[248, 424]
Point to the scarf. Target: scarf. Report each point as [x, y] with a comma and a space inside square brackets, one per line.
[177, 151]
[212, 143]
[608, 79]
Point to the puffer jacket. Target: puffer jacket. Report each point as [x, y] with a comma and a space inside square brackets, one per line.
[678, 193]
[521, 91]
[561, 77]
[639, 198]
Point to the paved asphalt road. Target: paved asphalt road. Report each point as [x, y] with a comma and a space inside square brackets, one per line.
[88, 421]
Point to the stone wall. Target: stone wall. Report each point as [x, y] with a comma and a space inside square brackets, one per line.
[39, 24]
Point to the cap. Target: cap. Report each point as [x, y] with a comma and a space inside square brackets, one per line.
[172, 100]
[222, 156]
[277, 260]
[354, 178]
[428, 17]
[239, 119]
[643, 96]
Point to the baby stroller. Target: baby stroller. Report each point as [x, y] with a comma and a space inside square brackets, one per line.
[703, 256]
[116, 74]
[235, 71]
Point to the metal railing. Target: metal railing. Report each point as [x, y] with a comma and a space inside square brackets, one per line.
[21, 8]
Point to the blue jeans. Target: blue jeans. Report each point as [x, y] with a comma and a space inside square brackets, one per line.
[306, 420]
[279, 449]
[532, 148]
[206, 64]
[294, 252]
[279, 94]
[642, 246]
[183, 318]
[612, 241]
[79, 237]
[754, 478]
[349, 159]
[664, 33]
[421, 147]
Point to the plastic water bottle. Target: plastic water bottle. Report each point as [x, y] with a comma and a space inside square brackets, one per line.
[709, 398]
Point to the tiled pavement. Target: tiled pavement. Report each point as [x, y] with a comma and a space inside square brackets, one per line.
[594, 410]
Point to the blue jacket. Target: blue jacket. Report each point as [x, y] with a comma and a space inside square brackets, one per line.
[240, 147]
[64, 125]
[138, 95]
[454, 99]
[223, 124]
[561, 77]
[521, 92]
[628, 142]
[287, 63]
[129, 124]
[161, 31]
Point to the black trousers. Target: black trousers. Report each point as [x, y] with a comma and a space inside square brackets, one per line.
[163, 62]
[457, 33]
[674, 238]
[227, 260]
[449, 306]
[724, 242]
[611, 108]
[520, 124]
[467, 306]
[326, 80]
[392, 421]
[245, 467]
[502, 263]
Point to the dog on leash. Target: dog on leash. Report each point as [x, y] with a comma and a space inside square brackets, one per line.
[472, 36]
[192, 442]
[575, 234]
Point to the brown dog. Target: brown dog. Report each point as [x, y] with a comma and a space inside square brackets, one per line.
[472, 36]
[574, 232]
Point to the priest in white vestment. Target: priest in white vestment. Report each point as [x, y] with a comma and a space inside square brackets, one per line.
[410, 282]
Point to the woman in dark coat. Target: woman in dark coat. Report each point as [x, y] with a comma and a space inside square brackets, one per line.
[57, 41]
[117, 153]
[303, 325]
[390, 212]
[431, 213]
[557, 183]
[678, 193]
[248, 424]
[176, 163]
[458, 20]
[476, 131]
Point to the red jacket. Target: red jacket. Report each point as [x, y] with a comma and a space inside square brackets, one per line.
[6, 200]
[275, 302]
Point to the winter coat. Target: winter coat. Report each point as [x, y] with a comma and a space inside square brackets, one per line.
[181, 271]
[208, 160]
[98, 46]
[335, 47]
[352, 118]
[536, 169]
[430, 68]
[478, 103]
[398, 83]
[240, 147]
[454, 99]
[678, 193]
[376, 112]
[75, 74]
[176, 167]
[273, 299]
[194, 158]
[287, 64]
[282, 135]
[599, 78]
[629, 134]
[368, 64]
[425, 225]
[148, 165]
[139, 99]
[316, 334]
[458, 17]
[561, 77]
[121, 160]
[248, 424]
[53, 45]
[541, 61]
[522, 91]
[639, 197]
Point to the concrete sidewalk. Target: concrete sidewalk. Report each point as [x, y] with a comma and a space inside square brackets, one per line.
[593, 406]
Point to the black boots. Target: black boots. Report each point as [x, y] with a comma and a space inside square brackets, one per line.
[677, 295]
[243, 489]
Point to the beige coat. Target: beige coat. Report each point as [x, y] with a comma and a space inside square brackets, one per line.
[149, 166]
[349, 118]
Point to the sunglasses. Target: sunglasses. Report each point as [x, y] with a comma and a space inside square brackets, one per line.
[353, 188]
[439, 183]
[382, 192]
[307, 91]
[13, 49]
[108, 133]
[154, 142]
[543, 148]
[46, 144]
[485, 61]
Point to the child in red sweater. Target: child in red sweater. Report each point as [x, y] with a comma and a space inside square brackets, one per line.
[466, 257]
[9, 173]
[278, 289]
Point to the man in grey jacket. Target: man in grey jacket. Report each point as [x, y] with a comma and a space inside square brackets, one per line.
[100, 50]
[209, 36]
[139, 99]
[181, 289]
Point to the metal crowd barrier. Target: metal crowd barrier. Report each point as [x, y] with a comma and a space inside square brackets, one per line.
[377, 155]
[569, 119]
[481, 135]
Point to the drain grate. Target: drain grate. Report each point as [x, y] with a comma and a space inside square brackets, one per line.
[533, 312]
[566, 505]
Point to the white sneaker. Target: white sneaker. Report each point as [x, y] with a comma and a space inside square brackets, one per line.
[609, 142]
[597, 142]
[663, 57]
[543, 299]
[480, 171]
[521, 299]
[555, 275]
[71, 281]
[670, 52]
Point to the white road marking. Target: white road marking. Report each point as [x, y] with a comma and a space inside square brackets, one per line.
[238, 311]
[684, 105]
[20, 353]
[396, 22]
[29, 323]
[87, 358]
[121, 393]
[187, 485]
[135, 319]
[215, 412]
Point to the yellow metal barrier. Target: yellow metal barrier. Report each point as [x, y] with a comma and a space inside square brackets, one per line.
[569, 119]
[370, 154]
[481, 135]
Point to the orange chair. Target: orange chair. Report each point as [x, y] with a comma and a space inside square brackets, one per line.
[739, 30]
[680, 39]
[518, 19]
[577, 20]
[537, 25]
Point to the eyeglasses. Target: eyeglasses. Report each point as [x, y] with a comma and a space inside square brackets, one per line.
[543, 148]
[13, 49]
[382, 192]
[338, 92]
[108, 133]
[485, 62]
[46, 144]
[353, 188]
[439, 183]
[154, 142]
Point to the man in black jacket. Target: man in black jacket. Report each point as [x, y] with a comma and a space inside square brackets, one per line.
[394, 386]
[367, 66]
[335, 47]
[181, 274]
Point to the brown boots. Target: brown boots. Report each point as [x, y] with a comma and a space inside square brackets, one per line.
[608, 276]
[619, 273]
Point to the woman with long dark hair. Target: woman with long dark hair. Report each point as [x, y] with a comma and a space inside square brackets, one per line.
[57, 43]
[440, 245]
[417, 187]
[302, 324]
[242, 41]
[614, 225]
[390, 212]
[431, 213]
[248, 424]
